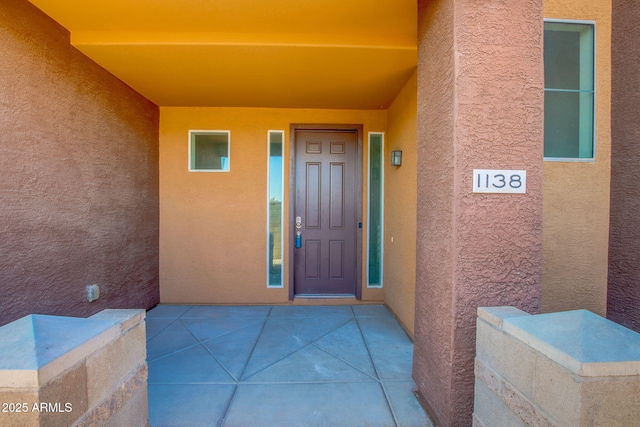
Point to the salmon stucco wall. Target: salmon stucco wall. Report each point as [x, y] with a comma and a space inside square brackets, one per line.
[434, 242]
[480, 106]
[400, 206]
[623, 299]
[213, 225]
[78, 177]
[576, 194]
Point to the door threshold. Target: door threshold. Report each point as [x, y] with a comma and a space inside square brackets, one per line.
[323, 296]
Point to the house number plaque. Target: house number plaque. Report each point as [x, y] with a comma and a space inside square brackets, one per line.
[499, 181]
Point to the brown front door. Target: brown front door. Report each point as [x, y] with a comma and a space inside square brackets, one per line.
[326, 212]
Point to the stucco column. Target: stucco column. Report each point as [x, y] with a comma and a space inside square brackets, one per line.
[480, 106]
[623, 296]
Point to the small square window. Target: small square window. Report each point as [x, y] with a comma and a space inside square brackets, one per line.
[209, 151]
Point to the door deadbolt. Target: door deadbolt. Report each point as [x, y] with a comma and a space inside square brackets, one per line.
[298, 222]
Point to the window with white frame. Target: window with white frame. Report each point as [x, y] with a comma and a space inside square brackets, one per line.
[569, 94]
[209, 150]
[375, 224]
[275, 213]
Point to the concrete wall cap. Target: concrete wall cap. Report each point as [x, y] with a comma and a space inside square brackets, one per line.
[36, 348]
[127, 318]
[580, 341]
[496, 315]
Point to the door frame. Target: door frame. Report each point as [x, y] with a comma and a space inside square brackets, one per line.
[292, 198]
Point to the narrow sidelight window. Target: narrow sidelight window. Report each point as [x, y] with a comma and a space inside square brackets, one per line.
[376, 210]
[275, 217]
[209, 150]
[569, 94]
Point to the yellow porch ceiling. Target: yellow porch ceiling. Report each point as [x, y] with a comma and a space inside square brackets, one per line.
[246, 53]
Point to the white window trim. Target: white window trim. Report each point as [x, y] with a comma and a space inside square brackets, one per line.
[228, 132]
[595, 92]
[382, 135]
[269, 132]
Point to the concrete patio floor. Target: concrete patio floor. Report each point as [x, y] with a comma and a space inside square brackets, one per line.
[279, 366]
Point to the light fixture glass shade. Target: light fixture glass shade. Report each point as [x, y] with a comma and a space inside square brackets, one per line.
[396, 158]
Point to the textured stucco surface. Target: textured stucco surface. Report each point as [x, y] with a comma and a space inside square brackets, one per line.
[623, 303]
[78, 177]
[480, 105]
[213, 225]
[576, 194]
[400, 206]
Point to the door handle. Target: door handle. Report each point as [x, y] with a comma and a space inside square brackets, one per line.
[298, 239]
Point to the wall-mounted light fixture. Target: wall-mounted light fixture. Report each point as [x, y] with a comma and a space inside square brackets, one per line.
[396, 158]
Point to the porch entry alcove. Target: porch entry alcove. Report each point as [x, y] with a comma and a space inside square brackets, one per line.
[475, 72]
[300, 212]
